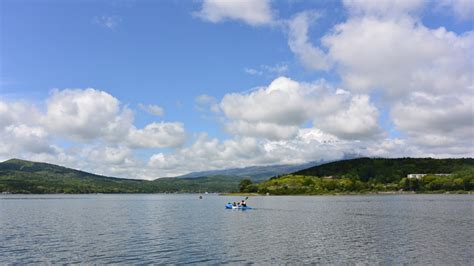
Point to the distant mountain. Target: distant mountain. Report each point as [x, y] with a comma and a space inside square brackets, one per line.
[254, 173]
[20, 176]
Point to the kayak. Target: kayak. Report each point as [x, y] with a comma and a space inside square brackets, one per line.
[229, 206]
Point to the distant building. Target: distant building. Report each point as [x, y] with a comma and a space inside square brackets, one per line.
[419, 176]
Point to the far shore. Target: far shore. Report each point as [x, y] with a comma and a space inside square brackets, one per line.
[352, 193]
[241, 194]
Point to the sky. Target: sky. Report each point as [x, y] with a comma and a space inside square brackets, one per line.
[149, 89]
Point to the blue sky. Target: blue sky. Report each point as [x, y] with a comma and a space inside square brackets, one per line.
[205, 64]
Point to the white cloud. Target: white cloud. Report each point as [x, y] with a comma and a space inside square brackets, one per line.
[206, 153]
[255, 12]
[312, 57]
[437, 121]
[253, 71]
[86, 115]
[14, 113]
[262, 129]
[80, 118]
[109, 22]
[277, 69]
[359, 121]
[463, 9]
[106, 154]
[400, 56]
[309, 144]
[23, 138]
[384, 8]
[425, 76]
[277, 111]
[280, 103]
[19, 131]
[157, 135]
[205, 102]
[152, 109]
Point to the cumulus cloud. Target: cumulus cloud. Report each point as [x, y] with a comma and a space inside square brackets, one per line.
[86, 114]
[152, 109]
[261, 129]
[206, 153]
[425, 75]
[359, 121]
[255, 13]
[24, 138]
[312, 57]
[107, 154]
[437, 121]
[157, 135]
[277, 111]
[19, 131]
[14, 113]
[400, 56]
[280, 103]
[79, 117]
[309, 144]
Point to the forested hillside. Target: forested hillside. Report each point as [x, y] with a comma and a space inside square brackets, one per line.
[374, 175]
[20, 176]
[386, 170]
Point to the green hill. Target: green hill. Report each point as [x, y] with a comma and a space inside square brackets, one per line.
[375, 175]
[20, 176]
[386, 170]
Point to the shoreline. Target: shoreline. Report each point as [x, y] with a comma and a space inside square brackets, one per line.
[382, 193]
[241, 194]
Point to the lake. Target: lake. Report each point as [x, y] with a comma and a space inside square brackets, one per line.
[157, 228]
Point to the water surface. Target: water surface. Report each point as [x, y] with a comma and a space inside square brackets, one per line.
[154, 228]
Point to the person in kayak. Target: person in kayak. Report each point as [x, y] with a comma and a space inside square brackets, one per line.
[243, 203]
[234, 204]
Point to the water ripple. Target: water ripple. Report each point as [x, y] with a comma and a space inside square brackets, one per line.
[179, 229]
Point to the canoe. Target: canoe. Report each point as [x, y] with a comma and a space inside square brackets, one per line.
[229, 206]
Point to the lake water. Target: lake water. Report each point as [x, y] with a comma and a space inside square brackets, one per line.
[124, 229]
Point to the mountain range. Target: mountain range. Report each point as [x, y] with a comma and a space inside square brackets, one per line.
[255, 173]
[20, 176]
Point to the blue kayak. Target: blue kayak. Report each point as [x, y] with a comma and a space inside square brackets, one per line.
[229, 206]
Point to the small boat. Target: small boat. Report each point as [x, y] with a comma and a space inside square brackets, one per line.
[230, 206]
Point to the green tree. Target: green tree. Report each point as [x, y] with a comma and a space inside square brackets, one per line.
[244, 184]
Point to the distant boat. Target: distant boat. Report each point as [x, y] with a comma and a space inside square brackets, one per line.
[206, 192]
[200, 196]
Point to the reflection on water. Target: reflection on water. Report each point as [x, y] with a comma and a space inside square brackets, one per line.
[425, 229]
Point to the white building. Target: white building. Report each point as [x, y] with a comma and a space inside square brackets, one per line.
[419, 176]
